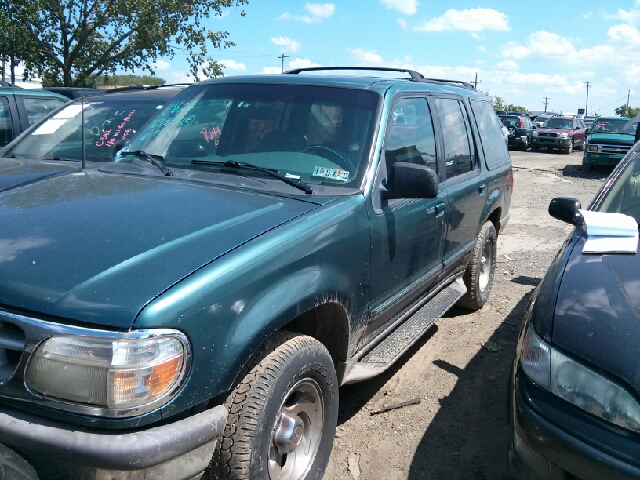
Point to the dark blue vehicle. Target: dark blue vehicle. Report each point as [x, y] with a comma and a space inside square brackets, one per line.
[574, 400]
[194, 306]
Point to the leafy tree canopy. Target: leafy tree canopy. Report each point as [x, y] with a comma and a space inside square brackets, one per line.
[499, 105]
[126, 80]
[75, 42]
[625, 111]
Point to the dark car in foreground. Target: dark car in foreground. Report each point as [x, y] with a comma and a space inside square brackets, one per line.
[520, 128]
[575, 384]
[195, 305]
[91, 129]
[608, 141]
[20, 108]
[560, 133]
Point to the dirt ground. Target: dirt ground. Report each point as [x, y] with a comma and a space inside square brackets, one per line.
[459, 428]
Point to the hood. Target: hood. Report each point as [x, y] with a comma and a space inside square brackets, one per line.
[612, 139]
[597, 312]
[96, 248]
[16, 173]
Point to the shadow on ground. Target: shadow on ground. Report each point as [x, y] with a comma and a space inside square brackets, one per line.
[475, 410]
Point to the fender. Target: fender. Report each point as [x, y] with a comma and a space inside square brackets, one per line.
[228, 308]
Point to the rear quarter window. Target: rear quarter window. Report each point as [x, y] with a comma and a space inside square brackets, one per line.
[491, 139]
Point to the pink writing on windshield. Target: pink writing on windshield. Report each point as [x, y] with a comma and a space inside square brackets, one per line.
[210, 135]
[110, 142]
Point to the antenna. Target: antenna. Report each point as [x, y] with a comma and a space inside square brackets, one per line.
[82, 132]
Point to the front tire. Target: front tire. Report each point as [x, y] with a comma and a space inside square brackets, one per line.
[478, 277]
[569, 149]
[282, 414]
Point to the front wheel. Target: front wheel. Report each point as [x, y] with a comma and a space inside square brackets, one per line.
[569, 149]
[282, 414]
[478, 277]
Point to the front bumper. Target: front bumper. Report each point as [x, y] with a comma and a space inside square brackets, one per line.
[518, 140]
[553, 440]
[552, 142]
[602, 159]
[177, 450]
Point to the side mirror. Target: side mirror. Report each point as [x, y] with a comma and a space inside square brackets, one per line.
[409, 180]
[566, 209]
[535, 126]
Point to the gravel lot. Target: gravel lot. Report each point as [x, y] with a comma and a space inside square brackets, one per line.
[459, 428]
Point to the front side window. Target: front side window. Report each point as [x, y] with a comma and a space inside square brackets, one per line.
[410, 137]
[108, 123]
[318, 135]
[39, 107]
[623, 195]
[456, 134]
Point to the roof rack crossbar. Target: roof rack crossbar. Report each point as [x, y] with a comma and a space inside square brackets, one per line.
[415, 76]
[412, 73]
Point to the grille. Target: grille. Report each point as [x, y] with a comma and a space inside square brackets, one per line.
[12, 342]
[543, 134]
[621, 149]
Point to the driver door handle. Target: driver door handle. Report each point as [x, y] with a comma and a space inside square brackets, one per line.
[440, 209]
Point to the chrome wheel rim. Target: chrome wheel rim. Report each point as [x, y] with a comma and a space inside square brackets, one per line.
[485, 266]
[297, 432]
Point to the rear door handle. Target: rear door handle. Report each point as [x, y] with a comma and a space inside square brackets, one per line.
[440, 209]
[482, 189]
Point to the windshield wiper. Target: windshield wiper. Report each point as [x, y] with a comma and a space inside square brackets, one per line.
[274, 173]
[155, 159]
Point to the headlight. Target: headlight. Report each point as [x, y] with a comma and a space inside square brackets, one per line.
[535, 134]
[592, 148]
[107, 372]
[578, 384]
[563, 135]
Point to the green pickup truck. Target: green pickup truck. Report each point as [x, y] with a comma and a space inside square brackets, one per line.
[193, 307]
[608, 141]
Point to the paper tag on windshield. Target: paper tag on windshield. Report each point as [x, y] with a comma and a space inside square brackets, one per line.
[331, 173]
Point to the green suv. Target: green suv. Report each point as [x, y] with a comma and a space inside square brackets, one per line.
[194, 306]
[608, 141]
[21, 108]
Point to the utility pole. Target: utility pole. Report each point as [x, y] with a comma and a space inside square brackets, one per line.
[476, 82]
[282, 57]
[628, 95]
[586, 106]
[546, 103]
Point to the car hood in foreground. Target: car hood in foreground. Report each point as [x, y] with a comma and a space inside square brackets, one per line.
[97, 248]
[597, 312]
[16, 173]
[611, 139]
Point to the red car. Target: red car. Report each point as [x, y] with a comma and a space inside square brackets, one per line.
[563, 133]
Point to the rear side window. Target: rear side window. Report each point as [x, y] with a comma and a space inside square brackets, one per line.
[456, 135]
[38, 107]
[410, 137]
[6, 126]
[491, 139]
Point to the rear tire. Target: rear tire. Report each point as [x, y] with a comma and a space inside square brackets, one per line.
[478, 277]
[282, 414]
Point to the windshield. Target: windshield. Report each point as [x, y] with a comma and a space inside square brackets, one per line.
[559, 123]
[108, 122]
[318, 135]
[624, 194]
[614, 125]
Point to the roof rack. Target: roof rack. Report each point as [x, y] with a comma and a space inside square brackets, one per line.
[130, 88]
[415, 76]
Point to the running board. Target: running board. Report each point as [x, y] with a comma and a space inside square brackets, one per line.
[385, 354]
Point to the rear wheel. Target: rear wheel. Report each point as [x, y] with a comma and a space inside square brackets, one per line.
[282, 414]
[478, 277]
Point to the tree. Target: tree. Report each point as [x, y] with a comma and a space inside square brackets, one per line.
[15, 43]
[626, 111]
[126, 80]
[75, 42]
